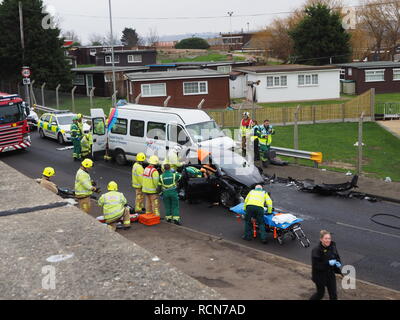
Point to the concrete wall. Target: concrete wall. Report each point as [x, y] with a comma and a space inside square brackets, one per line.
[328, 87]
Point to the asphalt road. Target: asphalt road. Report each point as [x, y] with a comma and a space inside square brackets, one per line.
[372, 249]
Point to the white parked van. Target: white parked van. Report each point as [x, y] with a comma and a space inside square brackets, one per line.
[155, 130]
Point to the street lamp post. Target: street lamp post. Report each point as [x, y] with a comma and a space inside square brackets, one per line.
[230, 14]
[112, 54]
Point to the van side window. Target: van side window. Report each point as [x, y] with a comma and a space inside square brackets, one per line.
[137, 128]
[120, 127]
[177, 135]
[98, 126]
[156, 130]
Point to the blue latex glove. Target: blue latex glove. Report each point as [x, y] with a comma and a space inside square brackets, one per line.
[338, 264]
[332, 262]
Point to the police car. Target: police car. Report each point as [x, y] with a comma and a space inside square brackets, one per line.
[57, 125]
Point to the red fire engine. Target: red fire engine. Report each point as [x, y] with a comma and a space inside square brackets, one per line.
[14, 129]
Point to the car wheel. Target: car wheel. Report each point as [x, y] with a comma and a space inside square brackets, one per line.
[60, 139]
[227, 200]
[41, 133]
[120, 158]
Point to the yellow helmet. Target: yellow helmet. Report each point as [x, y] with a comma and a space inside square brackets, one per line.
[154, 160]
[112, 186]
[87, 163]
[140, 157]
[49, 172]
[79, 116]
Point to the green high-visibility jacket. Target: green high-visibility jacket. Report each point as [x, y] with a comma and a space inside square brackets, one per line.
[83, 184]
[76, 132]
[113, 204]
[194, 172]
[169, 180]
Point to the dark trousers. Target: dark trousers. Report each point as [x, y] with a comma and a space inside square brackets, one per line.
[257, 213]
[331, 286]
[256, 151]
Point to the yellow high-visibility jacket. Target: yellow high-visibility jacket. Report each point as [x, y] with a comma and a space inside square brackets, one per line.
[137, 175]
[113, 204]
[83, 184]
[151, 179]
[258, 198]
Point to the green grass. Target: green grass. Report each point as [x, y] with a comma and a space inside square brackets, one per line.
[208, 57]
[82, 105]
[304, 103]
[336, 142]
[387, 97]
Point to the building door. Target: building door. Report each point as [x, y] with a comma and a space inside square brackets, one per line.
[89, 83]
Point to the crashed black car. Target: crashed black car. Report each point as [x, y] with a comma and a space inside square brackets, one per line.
[228, 184]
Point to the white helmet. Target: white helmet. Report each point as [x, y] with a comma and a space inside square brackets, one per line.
[246, 114]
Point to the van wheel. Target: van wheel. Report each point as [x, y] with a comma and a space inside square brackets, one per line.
[41, 133]
[60, 139]
[120, 158]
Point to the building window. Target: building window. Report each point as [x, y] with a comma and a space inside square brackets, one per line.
[374, 75]
[154, 90]
[308, 79]
[134, 58]
[108, 77]
[109, 59]
[224, 69]
[120, 127]
[342, 72]
[276, 81]
[79, 80]
[350, 72]
[93, 52]
[191, 88]
[396, 74]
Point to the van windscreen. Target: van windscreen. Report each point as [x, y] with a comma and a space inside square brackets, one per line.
[204, 131]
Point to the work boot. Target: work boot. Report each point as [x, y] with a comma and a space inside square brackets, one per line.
[264, 241]
[246, 238]
[169, 220]
[177, 222]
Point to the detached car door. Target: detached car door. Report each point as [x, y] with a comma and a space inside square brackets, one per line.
[99, 132]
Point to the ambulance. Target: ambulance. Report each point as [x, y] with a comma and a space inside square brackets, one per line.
[156, 130]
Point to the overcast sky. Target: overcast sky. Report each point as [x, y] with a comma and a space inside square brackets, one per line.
[91, 16]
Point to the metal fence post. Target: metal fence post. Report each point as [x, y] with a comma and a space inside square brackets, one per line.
[372, 102]
[138, 98]
[296, 130]
[73, 98]
[57, 97]
[42, 90]
[360, 144]
[32, 97]
[91, 93]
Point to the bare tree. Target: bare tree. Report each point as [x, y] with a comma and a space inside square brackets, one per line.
[96, 39]
[71, 35]
[381, 19]
[152, 37]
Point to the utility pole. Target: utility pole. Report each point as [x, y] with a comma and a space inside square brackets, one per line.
[230, 14]
[248, 27]
[112, 54]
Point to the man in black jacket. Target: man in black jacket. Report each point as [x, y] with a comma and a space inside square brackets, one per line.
[325, 264]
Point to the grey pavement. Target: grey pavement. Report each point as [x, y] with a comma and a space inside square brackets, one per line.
[98, 263]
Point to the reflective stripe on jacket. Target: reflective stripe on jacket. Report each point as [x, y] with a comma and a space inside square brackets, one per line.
[168, 181]
[151, 179]
[83, 184]
[246, 127]
[113, 204]
[86, 143]
[258, 198]
[76, 132]
[137, 175]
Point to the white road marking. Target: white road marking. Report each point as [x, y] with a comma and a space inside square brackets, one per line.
[365, 229]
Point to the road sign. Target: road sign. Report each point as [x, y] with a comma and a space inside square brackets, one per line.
[26, 72]
[26, 81]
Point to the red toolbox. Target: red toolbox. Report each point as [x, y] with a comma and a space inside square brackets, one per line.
[149, 219]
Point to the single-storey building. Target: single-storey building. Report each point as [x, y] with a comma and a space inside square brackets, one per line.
[127, 58]
[222, 66]
[282, 83]
[384, 76]
[100, 77]
[187, 88]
